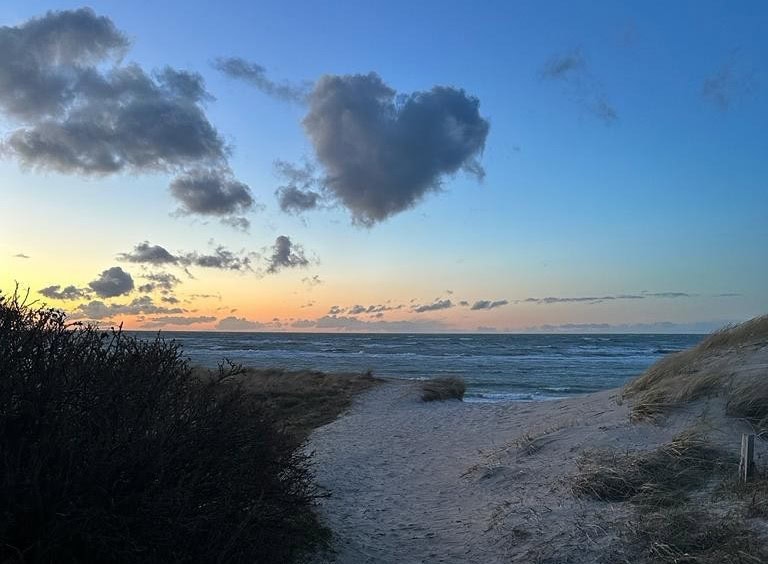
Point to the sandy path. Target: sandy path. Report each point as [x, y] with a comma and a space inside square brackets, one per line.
[449, 481]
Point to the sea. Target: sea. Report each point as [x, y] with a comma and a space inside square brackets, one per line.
[495, 367]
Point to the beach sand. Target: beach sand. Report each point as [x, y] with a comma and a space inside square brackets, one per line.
[408, 481]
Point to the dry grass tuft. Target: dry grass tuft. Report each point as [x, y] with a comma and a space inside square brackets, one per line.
[300, 401]
[752, 495]
[441, 389]
[680, 535]
[754, 331]
[666, 487]
[696, 373]
[662, 477]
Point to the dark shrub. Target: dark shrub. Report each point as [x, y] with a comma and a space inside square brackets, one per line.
[110, 451]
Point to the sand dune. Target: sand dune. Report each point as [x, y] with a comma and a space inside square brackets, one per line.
[453, 482]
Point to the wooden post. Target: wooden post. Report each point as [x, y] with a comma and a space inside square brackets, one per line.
[747, 462]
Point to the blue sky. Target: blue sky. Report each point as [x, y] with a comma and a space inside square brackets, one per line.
[666, 194]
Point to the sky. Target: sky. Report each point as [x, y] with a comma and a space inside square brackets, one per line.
[358, 166]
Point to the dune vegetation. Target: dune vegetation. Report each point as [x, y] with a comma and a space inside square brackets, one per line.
[709, 369]
[441, 389]
[113, 449]
[689, 505]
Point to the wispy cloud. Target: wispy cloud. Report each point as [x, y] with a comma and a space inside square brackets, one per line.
[657, 327]
[727, 85]
[488, 304]
[256, 75]
[605, 298]
[434, 306]
[178, 321]
[312, 281]
[348, 323]
[233, 323]
[572, 70]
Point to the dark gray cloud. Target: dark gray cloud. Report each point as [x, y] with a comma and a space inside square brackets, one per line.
[145, 253]
[463, 303]
[21, 256]
[221, 258]
[212, 192]
[571, 70]
[299, 193]
[293, 200]
[43, 59]
[142, 305]
[488, 304]
[156, 255]
[170, 299]
[256, 76]
[434, 306]
[162, 321]
[56, 292]
[164, 281]
[382, 153]
[112, 282]
[729, 295]
[233, 323]
[77, 109]
[357, 309]
[286, 254]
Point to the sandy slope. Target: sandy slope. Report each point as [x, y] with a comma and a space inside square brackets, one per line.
[462, 482]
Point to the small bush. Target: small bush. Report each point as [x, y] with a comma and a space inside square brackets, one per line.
[111, 451]
[440, 389]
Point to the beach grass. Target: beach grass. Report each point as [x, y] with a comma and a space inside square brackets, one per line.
[660, 477]
[441, 389]
[299, 401]
[689, 506]
[698, 372]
